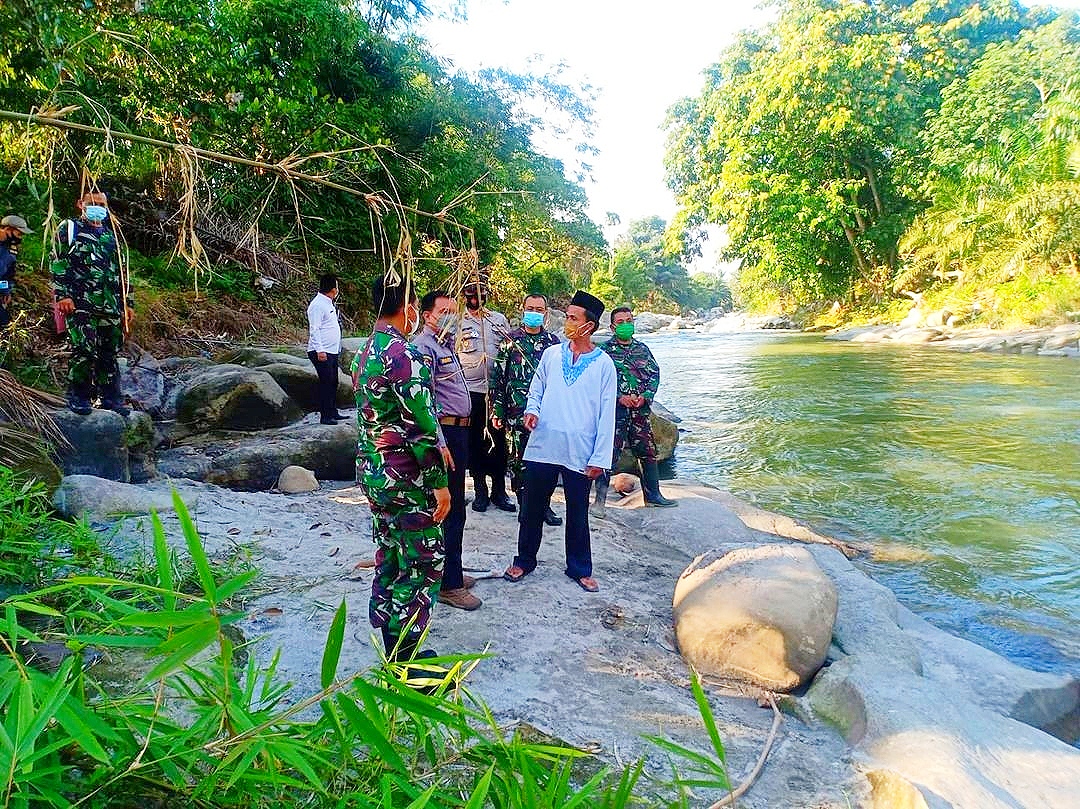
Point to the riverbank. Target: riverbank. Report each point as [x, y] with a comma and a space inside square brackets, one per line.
[601, 670]
[1057, 341]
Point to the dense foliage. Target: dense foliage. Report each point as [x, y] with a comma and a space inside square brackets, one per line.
[820, 139]
[131, 686]
[413, 160]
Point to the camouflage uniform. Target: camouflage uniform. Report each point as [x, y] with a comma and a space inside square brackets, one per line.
[638, 375]
[88, 272]
[511, 376]
[399, 466]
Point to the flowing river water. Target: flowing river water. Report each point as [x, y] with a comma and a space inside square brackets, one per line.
[960, 471]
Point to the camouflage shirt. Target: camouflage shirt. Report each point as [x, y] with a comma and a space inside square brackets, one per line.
[514, 367]
[88, 270]
[398, 447]
[638, 371]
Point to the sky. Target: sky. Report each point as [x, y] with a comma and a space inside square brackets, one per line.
[641, 56]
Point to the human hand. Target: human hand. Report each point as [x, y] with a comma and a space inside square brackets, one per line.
[66, 306]
[448, 458]
[593, 472]
[5, 299]
[496, 422]
[530, 421]
[321, 355]
[640, 400]
[626, 400]
[442, 504]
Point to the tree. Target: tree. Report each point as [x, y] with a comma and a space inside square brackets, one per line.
[806, 143]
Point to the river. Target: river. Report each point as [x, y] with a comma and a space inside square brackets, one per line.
[960, 471]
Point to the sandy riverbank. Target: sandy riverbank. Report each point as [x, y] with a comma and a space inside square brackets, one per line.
[601, 670]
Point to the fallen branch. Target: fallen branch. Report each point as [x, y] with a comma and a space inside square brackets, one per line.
[731, 797]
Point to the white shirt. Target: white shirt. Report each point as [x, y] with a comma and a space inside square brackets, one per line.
[575, 405]
[324, 330]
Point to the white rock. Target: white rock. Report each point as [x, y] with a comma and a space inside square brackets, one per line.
[624, 483]
[762, 615]
[86, 495]
[297, 479]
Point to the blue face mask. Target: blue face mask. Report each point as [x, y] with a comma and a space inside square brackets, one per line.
[532, 320]
[96, 213]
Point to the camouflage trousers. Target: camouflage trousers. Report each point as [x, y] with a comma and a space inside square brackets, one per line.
[95, 342]
[633, 432]
[408, 560]
[517, 438]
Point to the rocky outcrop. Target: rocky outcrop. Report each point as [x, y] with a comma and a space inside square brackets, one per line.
[98, 444]
[299, 382]
[762, 615]
[255, 462]
[232, 397]
[1059, 341]
[963, 725]
[94, 497]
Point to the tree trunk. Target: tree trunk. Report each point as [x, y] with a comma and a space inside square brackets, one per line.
[860, 261]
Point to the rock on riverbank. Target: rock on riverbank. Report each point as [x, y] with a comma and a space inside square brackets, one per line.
[1057, 341]
[920, 713]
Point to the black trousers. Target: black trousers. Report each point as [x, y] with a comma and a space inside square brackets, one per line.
[457, 439]
[540, 480]
[487, 448]
[326, 387]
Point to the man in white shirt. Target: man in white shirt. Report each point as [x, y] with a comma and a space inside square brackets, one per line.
[324, 345]
[571, 413]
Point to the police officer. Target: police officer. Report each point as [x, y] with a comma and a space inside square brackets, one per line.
[96, 301]
[453, 407]
[639, 377]
[482, 332]
[401, 471]
[12, 230]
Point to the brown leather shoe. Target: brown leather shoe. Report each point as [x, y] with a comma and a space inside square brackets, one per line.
[468, 582]
[460, 598]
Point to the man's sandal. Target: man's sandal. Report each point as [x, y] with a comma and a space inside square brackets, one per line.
[588, 584]
[515, 573]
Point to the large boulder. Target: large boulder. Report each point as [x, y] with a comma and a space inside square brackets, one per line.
[141, 439]
[251, 357]
[255, 462]
[97, 444]
[349, 347]
[296, 480]
[232, 397]
[299, 381]
[86, 495]
[762, 615]
[142, 383]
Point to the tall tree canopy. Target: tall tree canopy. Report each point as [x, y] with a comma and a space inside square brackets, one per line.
[807, 139]
[342, 91]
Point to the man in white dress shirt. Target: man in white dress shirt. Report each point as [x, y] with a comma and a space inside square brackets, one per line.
[324, 345]
[571, 413]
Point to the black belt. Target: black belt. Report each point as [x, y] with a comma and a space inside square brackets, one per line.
[454, 421]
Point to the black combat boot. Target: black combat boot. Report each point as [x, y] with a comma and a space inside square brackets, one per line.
[112, 399]
[650, 485]
[481, 501]
[78, 399]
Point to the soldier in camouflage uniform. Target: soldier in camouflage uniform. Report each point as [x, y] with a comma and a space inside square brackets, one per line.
[401, 470]
[639, 377]
[511, 376]
[91, 293]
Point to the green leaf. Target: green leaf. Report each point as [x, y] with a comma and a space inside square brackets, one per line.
[332, 651]
[164, 563]
[195, 614]
[196, 550]
[371, 731]
[707, 715]
[186, 645]
[19, 605]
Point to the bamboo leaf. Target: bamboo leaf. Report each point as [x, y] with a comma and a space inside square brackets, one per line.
[20, 605]
[186, 645]
[236, 584]
[707, 715]
[370, 732]
[196, 550]
[164, 563]
[332, 650]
